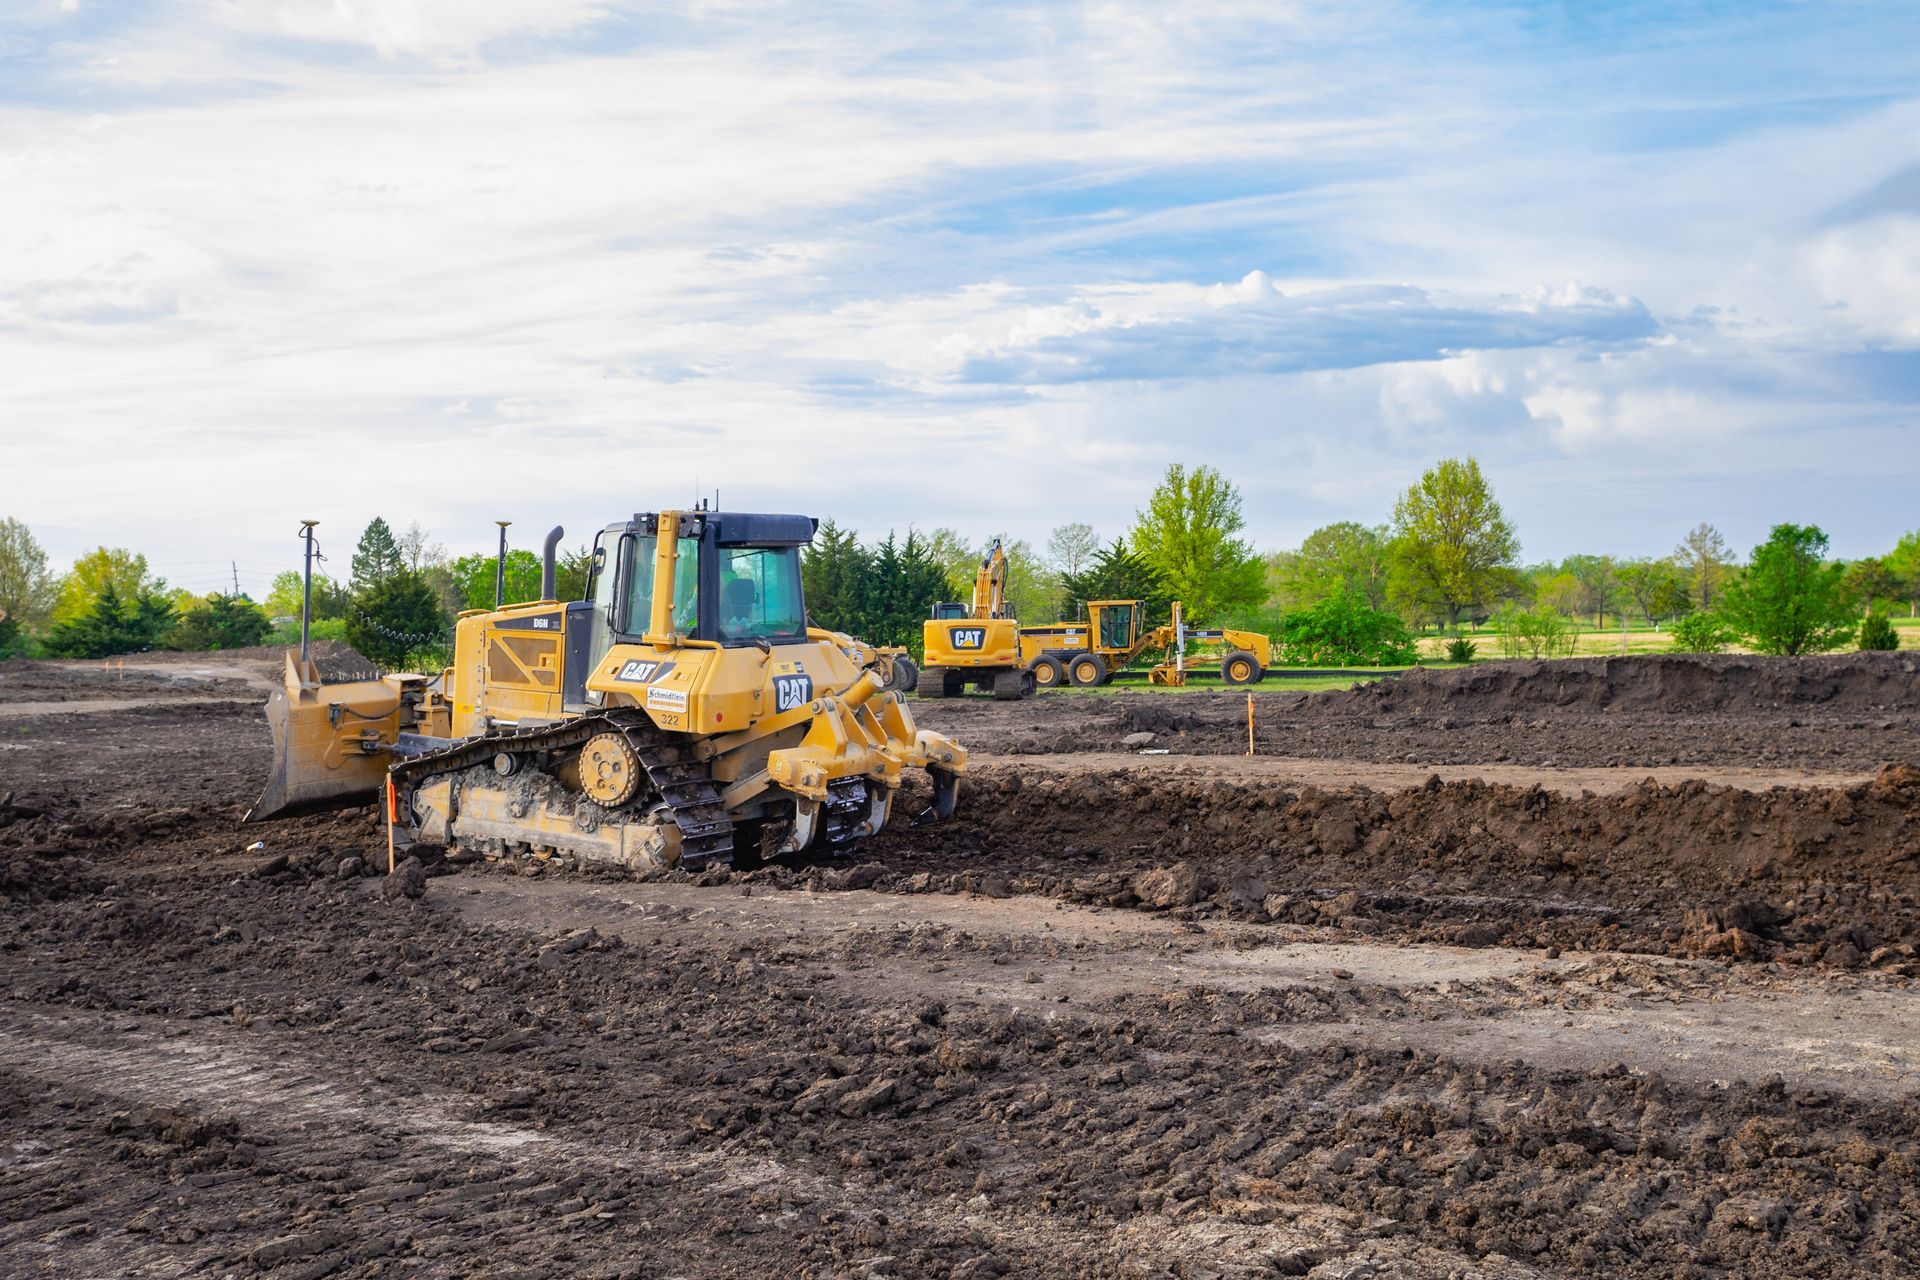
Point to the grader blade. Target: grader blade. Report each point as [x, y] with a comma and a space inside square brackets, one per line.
[329, 744]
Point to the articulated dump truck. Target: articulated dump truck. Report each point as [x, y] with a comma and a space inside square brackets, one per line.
[683, 714]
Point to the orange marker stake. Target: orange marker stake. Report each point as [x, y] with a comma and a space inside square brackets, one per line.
[1249, 724]
[391, 805]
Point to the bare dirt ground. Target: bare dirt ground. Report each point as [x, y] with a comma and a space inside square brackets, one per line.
[1587, 987]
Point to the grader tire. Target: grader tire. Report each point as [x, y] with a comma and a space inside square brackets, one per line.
[1240, 667]
[1048, 672]
[1088, 670]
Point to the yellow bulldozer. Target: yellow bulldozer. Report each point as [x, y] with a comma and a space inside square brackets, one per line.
[683, 713]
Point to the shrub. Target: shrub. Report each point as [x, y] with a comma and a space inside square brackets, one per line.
[1702, 632]
[1541, 632]
[1344, 630]
[1876, 632]
[1461, 649]
[219, 622]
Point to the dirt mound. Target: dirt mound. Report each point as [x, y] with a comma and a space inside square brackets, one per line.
[1667, 683]
[1850, 712]
[1806, 875]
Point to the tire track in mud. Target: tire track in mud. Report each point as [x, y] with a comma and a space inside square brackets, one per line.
[319, 1114]
[1691, 1021]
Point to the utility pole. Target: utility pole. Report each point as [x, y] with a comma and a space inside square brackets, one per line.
[236, 576]
[500, 567]
[306, 592]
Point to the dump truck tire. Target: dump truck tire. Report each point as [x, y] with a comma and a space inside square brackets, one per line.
[1048, 672]
[1088, 670]
[1240, 667]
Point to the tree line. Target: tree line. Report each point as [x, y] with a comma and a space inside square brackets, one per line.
[1447, 559]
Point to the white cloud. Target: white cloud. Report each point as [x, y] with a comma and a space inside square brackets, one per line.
[442, 244]
[447, 31]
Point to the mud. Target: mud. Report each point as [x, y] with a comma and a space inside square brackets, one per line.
[1111, 1021]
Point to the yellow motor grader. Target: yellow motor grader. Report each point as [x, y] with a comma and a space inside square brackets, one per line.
[684, 713]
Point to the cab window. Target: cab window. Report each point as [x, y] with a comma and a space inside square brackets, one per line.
[686, 586]
[760, 595]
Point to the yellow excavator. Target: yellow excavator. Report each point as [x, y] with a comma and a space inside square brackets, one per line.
[684, 713]
[975, 644]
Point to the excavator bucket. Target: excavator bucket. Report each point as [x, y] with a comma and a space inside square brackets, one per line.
[330, 743]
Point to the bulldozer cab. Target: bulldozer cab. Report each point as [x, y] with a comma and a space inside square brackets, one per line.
[734, 580]
[948, 609]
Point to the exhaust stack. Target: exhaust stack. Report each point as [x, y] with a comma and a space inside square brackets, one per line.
[548, 572]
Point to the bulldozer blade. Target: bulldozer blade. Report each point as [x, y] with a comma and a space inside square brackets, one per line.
[946, 790]
[329, 745]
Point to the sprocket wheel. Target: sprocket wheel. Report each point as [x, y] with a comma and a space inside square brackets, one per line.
[610, 771]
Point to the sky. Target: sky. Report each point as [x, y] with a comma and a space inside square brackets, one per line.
[990, 266]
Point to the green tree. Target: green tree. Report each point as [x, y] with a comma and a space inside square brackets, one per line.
[1453, 547]
[830, 573]
[1031, 587]
[1790, 601]
[896, 591]
[1189, 534]
[113, 624]
[1540, 632]
[284, 598]
[1705, 558]
[1658, 588]
[394, 616]
[1344, 630]
[1869, 580]
[27, 590]
[1877, 633]
[1118, 573]
[376, 558]
[1904, 562]
[1599, 585]
[1344, 557]
[474, 577]
[1702, 631]
[570, 573]
[124, 570]
[219, 622]
[1070, 548]
[1557, 591]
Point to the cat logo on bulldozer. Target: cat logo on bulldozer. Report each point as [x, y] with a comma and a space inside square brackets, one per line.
[969, 637]
[792, 692]
[643, 671]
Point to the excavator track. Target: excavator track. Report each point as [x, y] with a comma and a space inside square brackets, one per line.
[679, 781]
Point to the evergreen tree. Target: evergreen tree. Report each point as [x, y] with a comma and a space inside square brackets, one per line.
[1117, 573]
[831, 570]
[113, 624]
[394, 617]
[376, 558]
[219, 622]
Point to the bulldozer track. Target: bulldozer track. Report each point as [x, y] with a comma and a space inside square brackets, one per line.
[679, 781]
